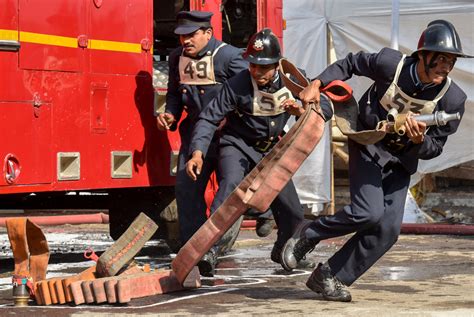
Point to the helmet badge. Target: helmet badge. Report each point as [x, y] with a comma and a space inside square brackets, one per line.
[258, 45]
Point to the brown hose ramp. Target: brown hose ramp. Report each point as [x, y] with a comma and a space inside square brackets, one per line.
[79, 287]
[134, 282]
[158, 282]
[260, 187]
[82, 290]
[57, 290]
[88, 274]
[98, 285]
[58, 287]
[127, 246]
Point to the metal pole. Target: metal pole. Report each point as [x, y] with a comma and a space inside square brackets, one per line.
[395, 23]
[332, 204]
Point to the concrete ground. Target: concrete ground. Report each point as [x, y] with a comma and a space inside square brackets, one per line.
[423, 275]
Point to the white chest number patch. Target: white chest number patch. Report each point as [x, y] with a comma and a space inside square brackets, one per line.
[403, 104]
[269, 104]
[196, 69]
[394, 97]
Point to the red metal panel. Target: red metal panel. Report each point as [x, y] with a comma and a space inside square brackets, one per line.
[26, 143]
[45, 22]
[124, 104]
[99, 107]
[270, 15]
[212, 6]
[8, 15]
[125, 21]
[9, 59]
[94, 110]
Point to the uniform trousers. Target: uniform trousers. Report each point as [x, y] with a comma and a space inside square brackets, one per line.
[375, 215]
[233, 166]
[190, 194]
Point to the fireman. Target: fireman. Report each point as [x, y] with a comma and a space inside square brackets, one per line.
[197, 70]
[255, 118]
[380, 173]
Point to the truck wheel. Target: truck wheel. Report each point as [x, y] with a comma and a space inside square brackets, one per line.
[126, 204]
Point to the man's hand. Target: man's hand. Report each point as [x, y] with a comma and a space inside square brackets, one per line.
[164, 121]
[292, 107]
[194, 165]
[311, 93]
[415, 130]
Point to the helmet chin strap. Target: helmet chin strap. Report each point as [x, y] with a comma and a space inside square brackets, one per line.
[429, 63]
[276, 75]
[425, 63]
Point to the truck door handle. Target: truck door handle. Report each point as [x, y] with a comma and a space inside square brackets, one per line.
[9, 45]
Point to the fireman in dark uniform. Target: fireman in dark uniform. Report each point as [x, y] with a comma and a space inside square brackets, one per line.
[197, 70]
[252, 104]
[380, 173]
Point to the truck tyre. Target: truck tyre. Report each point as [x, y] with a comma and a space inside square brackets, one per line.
[126, 205]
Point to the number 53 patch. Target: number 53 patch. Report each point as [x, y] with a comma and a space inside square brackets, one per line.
[267, 104]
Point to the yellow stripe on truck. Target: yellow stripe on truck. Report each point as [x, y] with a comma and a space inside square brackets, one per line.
[47, 39]
[8, 35]
[64, 41]
[115, 46]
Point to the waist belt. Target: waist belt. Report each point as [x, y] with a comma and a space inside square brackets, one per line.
[260, 187]
[394, 145]
[263, 146]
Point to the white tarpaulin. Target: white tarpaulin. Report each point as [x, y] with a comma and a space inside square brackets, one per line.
[366, 25]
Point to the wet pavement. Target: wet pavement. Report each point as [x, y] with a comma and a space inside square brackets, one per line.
[422, 275]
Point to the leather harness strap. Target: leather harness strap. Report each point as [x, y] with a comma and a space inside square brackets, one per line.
[346, 109]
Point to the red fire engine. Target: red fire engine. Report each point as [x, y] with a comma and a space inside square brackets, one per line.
[77, 88]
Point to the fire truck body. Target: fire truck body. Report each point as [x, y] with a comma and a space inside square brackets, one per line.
[76, 94]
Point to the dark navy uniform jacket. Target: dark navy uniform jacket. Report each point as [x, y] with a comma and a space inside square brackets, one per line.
[235, 102]
[227, 62]
[381, 68]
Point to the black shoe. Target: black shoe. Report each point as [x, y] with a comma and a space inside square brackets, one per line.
[323, 282]
[207, 265]
[296, 248]
[264, 226]
[275, 255]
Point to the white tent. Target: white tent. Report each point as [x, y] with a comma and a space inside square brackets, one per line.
[366, 25]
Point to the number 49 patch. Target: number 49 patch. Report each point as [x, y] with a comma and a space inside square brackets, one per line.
[196, 72]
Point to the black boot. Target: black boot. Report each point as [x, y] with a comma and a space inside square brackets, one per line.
[277, 254]
[323, 282]
[264, 226]
[296, 248]
[207, 265]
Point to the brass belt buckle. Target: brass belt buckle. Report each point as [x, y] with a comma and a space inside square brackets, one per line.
[267, 144]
